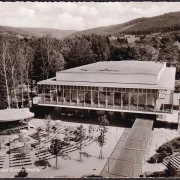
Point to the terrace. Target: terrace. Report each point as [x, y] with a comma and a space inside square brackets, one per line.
[23, 150]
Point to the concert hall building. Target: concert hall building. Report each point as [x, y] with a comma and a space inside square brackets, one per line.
[142, 87]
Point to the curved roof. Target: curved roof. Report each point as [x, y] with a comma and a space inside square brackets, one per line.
[15, 114]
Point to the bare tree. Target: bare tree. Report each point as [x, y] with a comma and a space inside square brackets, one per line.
[101, 140]
[55, 149]
[50, 57]
[14, 72]
[90, 128]
[28, 63]
[24, 55]
[4, 65]
[80, 136]
[48, 124]
[39, 130]
[21, 64]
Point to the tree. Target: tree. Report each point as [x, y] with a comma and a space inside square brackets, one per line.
[24, 56]
[22, 173]
[66, 138]
[80, 54]
[14, 68]
[103, 121]
[85, 50]
[170, 171]
[48, 124]
[80, 136]
[55, 149]
[4, 65]
[143, 52]
[90, 128]
[169, 55]
[101, 140]
[47, 58]
[39, 129]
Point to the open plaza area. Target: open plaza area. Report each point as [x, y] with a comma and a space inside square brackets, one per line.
[24, 150]
[69, 166]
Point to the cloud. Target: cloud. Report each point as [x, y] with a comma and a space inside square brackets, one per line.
[67, 21]
[22, 11]
[85, 11]
[79, 15]
[151, 11]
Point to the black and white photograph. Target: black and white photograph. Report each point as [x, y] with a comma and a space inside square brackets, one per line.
[89, 89]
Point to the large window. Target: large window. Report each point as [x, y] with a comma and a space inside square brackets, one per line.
[125, 99]
[110, 98]
[164, 100]
[87, 93]
[73, 95]
[117, 98]
[102, 97]
[149, 100]
[95, 97]
[81, 96]
[133, 99]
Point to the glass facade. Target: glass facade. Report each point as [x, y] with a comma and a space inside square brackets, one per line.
[149, 100]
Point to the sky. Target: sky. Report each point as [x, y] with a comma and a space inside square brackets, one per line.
[78, 15]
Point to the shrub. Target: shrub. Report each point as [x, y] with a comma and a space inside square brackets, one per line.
[176, 144]
[152, 159]
[42, 162]
[34, 136]
[157, 158]
[22, 155]
[22, 173]
[166, 148]
[170, 171]
[7, 144]
[34, 144]
[156, 174]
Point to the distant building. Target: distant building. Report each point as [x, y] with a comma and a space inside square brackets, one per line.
[156, 34]
[113, 38]
[133, 40]
[19, 36]
[115, 86]
[177, 43]
[129, 36]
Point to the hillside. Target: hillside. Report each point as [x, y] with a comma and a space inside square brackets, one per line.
[36, 32]
[59, 34]
[163, 23]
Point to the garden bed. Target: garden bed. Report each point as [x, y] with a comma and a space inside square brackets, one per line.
[166, 150]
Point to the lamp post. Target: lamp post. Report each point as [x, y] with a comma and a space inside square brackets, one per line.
[108, 166]
[116, 134]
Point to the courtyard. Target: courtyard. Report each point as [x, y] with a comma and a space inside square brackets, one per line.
[24, 150]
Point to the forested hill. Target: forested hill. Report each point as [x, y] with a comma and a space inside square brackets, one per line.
[163, 23]
[35, 32]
